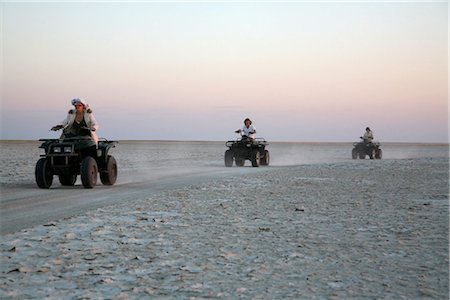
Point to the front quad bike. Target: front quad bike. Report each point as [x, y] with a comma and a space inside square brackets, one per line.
[73, 156]
[364, 148]
[247, 149]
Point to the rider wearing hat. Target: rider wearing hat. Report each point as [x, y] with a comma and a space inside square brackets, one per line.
[80, 121]
[248, 130]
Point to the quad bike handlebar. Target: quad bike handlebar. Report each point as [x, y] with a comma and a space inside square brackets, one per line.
[240, 132]
[59, 127]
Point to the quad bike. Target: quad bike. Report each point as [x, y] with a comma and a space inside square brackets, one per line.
[76, 155]
[246, 148]
[363, 148]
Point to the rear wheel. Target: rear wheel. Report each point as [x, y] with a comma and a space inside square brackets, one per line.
[255, 158]
[110, 175]
[43, 174]
[354, 154]
[68, 180]
[88, 172]
[265, 160]
[228, 158]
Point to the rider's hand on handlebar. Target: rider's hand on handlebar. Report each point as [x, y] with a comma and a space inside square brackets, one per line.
[237, 131]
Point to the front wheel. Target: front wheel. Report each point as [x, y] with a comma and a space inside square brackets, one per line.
[110, 175]
[43, 173]
[255, 158]
[354, 154]
[68, 180]
[239, 162]
[88, 172]
[228, 158]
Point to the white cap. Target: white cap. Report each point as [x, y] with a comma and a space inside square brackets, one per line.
[79, 101]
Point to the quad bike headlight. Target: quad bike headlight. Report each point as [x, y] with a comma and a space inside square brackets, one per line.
[57, 150]
[67, 149]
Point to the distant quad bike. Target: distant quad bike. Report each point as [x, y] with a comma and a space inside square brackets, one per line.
[74, 156]
[245, 148]
[363, 148]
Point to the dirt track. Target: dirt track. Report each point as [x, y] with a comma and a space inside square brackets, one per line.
[24, 205]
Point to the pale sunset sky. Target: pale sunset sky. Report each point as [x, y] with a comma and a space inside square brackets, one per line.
[302, 71]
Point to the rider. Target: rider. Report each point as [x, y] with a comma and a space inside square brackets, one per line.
[79, 121]
[248, 130]
[368, 136]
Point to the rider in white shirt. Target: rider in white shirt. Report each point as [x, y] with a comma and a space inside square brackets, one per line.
[248, 129]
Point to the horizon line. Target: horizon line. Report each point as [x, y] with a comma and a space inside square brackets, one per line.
[223, 141]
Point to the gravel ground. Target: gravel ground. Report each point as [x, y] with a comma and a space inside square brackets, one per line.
[359, 229]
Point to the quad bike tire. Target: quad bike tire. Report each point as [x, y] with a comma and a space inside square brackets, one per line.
[43, 174]
[88, 172]
[265, 160]
[255, 158]
[362, 156]
[354, 154]
[109, 176]
[378, 154]
[228, 158]
[68, 180]
[239, 162]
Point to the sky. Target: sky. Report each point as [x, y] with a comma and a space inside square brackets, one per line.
[302, 71]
